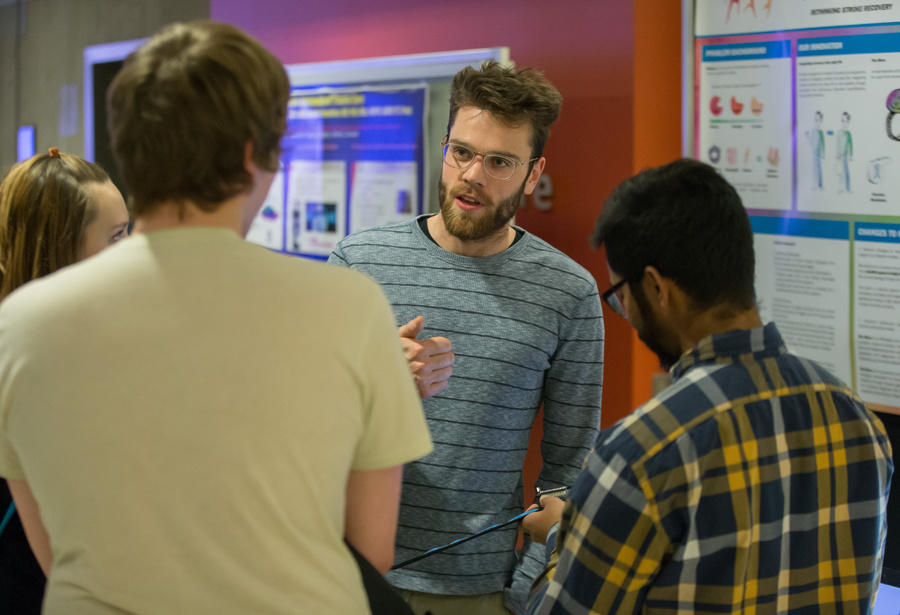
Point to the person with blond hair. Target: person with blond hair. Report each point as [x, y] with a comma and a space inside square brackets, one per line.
[55, 209]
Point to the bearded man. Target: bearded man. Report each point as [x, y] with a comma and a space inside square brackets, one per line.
[526, 328]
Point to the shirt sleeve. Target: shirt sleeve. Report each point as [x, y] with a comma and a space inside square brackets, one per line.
[337, 256]
[610, 546]
[573, 388]
[395, 430]
[10, 467]
[571, 409]
[539, 588]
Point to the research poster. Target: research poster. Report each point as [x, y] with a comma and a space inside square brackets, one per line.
[316, 198]
[845, 146]
[802, 284]
[877, 314]
[746, 118]
[795, 103]
[353, 158]
[267, 228]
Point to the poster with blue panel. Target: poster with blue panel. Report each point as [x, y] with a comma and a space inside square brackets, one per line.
[802, 273]
[267, 228]
[796, 104]
[353, 158]
[876, 263]
[746, 134]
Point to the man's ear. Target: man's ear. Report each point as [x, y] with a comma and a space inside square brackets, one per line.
[665, 294]
[534, 175]
[249, 164]
[657, 289]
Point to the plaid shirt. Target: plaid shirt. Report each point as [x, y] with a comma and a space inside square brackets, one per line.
[756, 483]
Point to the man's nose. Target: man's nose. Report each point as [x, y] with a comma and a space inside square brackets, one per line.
[475, 172]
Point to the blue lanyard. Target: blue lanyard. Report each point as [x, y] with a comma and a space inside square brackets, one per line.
[7, 517]
[458, 541]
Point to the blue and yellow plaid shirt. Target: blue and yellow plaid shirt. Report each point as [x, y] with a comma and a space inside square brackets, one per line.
[756, 483]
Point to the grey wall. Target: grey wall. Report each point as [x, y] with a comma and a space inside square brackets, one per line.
[42, 63]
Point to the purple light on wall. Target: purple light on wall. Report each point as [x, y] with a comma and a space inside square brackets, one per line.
[25, 143]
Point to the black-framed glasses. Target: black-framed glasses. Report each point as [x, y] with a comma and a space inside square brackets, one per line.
[498, 166]
[613, 297]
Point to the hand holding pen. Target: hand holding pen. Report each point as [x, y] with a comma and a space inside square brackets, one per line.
[549, 509]
[542, 499]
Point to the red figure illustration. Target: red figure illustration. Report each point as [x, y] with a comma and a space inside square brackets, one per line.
[755, 106]
[751, 4]
[731, 3]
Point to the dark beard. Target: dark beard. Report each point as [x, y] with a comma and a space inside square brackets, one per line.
[651, 333]
[468, 229]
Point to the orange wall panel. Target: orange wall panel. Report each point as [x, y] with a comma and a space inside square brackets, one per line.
[657, 125]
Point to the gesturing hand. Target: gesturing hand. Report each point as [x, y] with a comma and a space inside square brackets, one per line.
[430, 360]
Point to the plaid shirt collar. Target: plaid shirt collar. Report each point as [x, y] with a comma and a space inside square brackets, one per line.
[729, 346]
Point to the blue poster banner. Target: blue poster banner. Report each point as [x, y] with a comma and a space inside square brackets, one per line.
[882, 233]
[747, 51]
[801, 227]
[353, 159]
[341, 125]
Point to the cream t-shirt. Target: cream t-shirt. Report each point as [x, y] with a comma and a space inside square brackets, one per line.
[186, 407]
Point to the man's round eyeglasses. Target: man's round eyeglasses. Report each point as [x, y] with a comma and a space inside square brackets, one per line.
[497, 166]
[613, 297]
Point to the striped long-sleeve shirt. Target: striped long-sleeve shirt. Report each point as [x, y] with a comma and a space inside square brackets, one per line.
[756, 483]
[526, 328]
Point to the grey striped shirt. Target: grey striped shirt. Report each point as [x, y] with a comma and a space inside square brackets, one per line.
[527, 328]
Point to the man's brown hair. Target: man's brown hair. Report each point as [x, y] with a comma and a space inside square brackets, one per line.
[44, 208]
[183, 108]
[515, 97]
